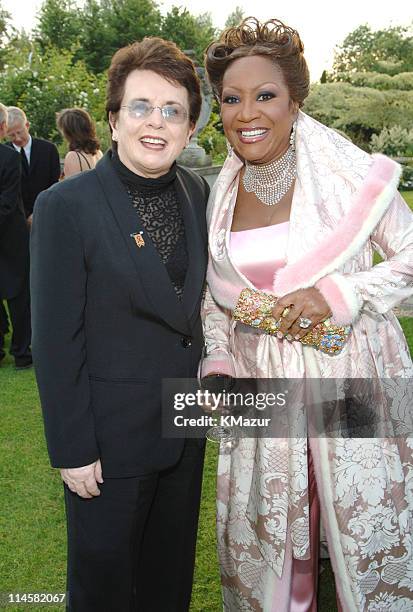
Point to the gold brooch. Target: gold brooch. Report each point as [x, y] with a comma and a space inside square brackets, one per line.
[138, 238]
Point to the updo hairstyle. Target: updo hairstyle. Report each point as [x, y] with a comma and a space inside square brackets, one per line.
[272, 39]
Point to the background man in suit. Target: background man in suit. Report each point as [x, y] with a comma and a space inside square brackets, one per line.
[14, 254]
[40, 159]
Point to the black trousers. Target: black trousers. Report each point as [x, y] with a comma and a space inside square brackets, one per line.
[19, 309]
[133, 548]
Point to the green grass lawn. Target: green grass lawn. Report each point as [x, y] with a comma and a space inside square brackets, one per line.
[32, 522]
[408, 196]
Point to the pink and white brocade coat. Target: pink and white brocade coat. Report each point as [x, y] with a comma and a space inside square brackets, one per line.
[345, 205]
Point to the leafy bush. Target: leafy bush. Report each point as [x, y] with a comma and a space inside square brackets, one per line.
[44, 84]
[396, 141]
[376, 80]
[406, 182]
[360, 112]
[212, 138]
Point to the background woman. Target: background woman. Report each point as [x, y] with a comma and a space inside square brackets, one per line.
[296, 213]
[118, 267]
[78, 129]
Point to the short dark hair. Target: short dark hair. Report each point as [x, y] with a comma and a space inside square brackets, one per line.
[79, 130]
[272, 39]
[160, 56]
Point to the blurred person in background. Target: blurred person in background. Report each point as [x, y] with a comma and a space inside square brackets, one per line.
[77, 127]
[39, 159]
[14, 255]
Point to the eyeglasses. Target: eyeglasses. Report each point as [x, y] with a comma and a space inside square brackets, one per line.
[172, 113]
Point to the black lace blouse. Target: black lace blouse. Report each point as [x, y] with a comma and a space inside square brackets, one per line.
[157, 205]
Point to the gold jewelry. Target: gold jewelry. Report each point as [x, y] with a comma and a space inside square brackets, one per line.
[138, 238]
[255, 307]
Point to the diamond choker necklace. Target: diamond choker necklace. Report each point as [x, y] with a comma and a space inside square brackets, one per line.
[270, 182]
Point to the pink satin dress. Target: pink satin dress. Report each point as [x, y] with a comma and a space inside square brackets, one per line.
[258, 254]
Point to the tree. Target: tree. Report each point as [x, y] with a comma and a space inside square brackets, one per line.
[370, 87]
[97, 28]
[97, 37]
[4, 31]
[132, 20]
[235, 17]
[378, 80]
[359, 111]
[395, 141]
[59, 24]
[188, 31]
[108, 25]
[4, 18]
[388, 51]
[43, 82]
[207, 33]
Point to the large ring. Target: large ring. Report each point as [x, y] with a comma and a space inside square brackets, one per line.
[304, 323]
[285, 311]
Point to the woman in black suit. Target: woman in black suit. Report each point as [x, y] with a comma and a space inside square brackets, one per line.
[117, 271]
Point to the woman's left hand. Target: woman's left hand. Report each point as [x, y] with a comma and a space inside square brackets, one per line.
[302, 304]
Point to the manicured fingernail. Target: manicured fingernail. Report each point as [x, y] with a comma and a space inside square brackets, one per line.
[297, 337]
[289, 337]
[280, 336]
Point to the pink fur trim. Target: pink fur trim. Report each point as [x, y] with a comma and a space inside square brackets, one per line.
[227, 291]
[344, 308]
[309, 269]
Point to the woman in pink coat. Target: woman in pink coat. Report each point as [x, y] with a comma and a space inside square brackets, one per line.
[296, 213]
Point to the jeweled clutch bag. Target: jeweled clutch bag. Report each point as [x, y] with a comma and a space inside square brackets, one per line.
[255, 307]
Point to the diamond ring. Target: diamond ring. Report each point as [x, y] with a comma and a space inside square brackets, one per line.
[304, 323]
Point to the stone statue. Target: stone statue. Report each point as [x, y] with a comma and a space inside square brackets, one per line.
[194, 156]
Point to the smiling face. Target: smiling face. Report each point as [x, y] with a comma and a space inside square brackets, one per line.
[149, 145]
[257, 112]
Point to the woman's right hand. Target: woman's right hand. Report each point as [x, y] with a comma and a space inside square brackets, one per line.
[84, 480]
[301, 304]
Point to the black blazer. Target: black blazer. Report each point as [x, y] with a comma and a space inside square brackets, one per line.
[14, 234]
[44, 171]
[107, 324]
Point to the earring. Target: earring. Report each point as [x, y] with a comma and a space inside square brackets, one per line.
[292, 135]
